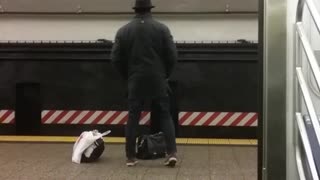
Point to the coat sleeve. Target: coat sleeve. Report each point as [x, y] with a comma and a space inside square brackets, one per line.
[118, 59]
[170, 52]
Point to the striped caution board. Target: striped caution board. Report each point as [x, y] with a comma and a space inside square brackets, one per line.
[218, 119]
[7, 116]
[87, 117]
[235, 119]
[120, 118]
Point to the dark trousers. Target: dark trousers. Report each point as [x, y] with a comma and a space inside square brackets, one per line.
[162, 107]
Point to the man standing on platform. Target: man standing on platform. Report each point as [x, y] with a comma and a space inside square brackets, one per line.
[145, 54]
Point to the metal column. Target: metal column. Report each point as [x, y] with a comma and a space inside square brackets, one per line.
[273, 110]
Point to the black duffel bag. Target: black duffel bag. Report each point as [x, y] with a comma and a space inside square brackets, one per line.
[151, 146]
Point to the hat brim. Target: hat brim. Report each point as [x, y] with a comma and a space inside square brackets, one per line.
[147, 7]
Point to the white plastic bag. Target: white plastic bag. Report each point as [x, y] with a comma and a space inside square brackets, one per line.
[84, 141]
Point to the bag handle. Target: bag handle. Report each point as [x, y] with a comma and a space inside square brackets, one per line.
[106, 133]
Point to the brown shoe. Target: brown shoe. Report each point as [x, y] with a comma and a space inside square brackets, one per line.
[131, 162]
[171, 160]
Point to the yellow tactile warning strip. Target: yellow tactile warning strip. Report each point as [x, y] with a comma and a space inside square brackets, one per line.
[181, 141]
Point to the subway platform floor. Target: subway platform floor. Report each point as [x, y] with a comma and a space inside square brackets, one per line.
[32, 161]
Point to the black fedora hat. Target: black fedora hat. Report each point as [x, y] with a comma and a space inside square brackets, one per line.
[143, 4]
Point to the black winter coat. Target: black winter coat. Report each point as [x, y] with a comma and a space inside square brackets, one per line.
[144, 53]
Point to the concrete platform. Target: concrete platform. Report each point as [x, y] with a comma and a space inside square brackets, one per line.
[32, 161]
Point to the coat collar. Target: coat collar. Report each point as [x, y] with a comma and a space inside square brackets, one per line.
[147, 15]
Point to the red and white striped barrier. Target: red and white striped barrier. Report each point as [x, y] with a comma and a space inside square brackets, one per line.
[7, 117]
[120, 118]
[218, 119]
[86, 117]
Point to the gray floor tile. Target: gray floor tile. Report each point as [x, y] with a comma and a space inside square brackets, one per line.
[53, 161]
[137, 171]
[66, 171]
[192, 177]
[159, 177]
[102, 170]
[246, 158]
[163, 170]
[253, 176]
[226, 177]
[221, 153]
[126, 177]
[194, 171]
[225, 168]
[36, 171]
[196, 151]
[14, 167]
[196, 163]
